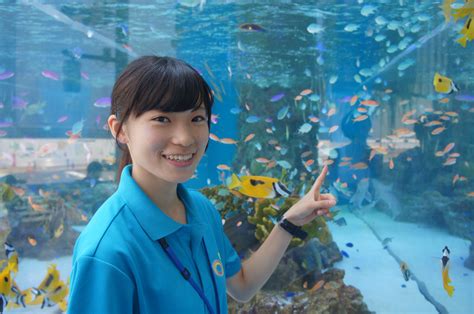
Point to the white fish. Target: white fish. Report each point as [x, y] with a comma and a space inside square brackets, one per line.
[366, 72]
[368, 10]
[333, 79]
[380, 37]
[393, 25]
[282, 112]
[423, 17]
[320, 60]
[351, 27]
[392, 49]
[406, 64]
[380, 20]
[357, 78]
[314, 28]
[305, 128]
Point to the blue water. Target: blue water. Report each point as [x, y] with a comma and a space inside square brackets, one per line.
[369, 67]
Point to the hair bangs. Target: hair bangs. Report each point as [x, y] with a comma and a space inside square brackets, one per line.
[176, 88]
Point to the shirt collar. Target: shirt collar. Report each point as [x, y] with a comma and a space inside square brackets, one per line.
[155, 223]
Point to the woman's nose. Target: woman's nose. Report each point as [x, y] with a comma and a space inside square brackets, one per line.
[183, 136]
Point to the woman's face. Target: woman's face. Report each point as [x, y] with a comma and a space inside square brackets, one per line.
[167, 145]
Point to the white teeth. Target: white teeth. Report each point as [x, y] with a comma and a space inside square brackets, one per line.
[179, 157]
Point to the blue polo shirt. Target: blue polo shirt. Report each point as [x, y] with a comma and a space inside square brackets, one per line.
[119, 266]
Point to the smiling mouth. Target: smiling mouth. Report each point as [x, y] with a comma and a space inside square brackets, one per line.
[179, 157]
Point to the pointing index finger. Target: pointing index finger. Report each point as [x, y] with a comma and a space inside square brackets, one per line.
[319, 182]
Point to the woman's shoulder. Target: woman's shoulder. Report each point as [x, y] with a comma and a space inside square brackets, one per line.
[103, 234]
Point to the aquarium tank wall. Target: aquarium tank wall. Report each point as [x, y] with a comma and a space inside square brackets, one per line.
[382, 92]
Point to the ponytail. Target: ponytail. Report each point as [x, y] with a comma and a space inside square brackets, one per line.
[124, 160]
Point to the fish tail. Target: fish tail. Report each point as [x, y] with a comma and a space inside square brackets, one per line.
[235, 182]
[446, 280]
[462, 41]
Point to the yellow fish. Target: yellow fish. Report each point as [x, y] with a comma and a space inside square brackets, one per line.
[445, 272]
[12, 257]
[467, 31]
[465, 10]
[443, 84]
[259, 186]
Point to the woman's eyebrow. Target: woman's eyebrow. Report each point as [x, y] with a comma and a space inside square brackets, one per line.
[201, 107]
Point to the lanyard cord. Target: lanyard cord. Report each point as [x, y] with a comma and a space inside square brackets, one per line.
[184, 272]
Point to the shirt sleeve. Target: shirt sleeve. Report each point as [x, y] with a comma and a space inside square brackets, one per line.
[99, 287]
[232, 263]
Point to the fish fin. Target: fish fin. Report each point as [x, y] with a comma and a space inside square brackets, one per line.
[462, 41]
[235, 182]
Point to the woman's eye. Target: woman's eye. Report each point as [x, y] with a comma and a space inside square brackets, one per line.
[200, 118]
[161, 119]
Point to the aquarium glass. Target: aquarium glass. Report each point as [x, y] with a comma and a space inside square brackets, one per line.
[382, 92]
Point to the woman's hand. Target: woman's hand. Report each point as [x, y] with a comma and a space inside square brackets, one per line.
[312, 204]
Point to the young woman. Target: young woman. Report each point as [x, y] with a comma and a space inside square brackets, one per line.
[155, 246]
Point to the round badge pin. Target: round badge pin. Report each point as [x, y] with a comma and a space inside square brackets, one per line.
[218, 268]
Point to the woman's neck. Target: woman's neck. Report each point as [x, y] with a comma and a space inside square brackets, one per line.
[163, 194]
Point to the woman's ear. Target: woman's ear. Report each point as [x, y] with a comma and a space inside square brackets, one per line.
[114, 125]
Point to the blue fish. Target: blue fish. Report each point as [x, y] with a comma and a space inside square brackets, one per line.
[357, 267]
[344, 253]
[235, 110]
[290, 294]
[252, 119]
[404, 286]
[349, 244]
[277, 97]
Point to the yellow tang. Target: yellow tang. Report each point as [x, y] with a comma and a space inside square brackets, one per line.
[259, 186]
[443, 84]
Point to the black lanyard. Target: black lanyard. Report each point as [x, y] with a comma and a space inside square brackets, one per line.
[185, 272]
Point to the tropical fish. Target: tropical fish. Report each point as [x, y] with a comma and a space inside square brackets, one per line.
[6, 75]
[223, 167]
[445, 271]
[438, 130]
[51, 290]
[314, 28]
[360, 118]
[103, 102]
[259, 186]
[443, 84]
[354, 100]
[305, 128]
[305, 92]
[370, 102]
[62, 119]
[50, 74]
[252, 27]
[467, 31]
[227, 140]
[12, 257]
[277, 97]
[405, 271]
[249, 137]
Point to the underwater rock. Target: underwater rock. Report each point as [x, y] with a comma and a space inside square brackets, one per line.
[331, 295]
[303, 263]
